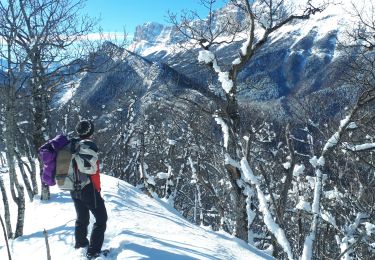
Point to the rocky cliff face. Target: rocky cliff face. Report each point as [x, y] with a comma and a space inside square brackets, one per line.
[151, 35]
[148, 32]
[301, 59]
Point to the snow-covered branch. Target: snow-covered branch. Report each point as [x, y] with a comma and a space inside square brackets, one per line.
[208, 57]
[360, 147]
[318, 165]
[272, 226]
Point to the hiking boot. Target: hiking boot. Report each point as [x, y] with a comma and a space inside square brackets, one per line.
[92, 255]
[81, 245]
[104, 253]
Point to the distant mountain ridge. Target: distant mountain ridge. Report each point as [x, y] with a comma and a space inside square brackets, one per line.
[298, 60]
[301, 60]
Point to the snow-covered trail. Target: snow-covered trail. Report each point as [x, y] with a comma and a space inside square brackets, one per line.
[138, 228]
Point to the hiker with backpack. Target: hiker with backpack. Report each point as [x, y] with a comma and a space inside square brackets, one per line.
[73, 164]
[87, 196]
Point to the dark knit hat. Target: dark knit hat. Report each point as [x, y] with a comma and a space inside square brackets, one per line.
[85, 128]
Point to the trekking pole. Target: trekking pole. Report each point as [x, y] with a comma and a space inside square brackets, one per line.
[6, 238]
[47, 245]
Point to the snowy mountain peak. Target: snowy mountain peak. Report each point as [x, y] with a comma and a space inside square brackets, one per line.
[148, 31]
[156, 36]
[152, 34]
[307, 48]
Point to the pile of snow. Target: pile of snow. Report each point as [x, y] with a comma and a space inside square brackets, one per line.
[138, 228]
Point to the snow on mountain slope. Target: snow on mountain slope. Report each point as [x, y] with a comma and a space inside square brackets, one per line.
[302, 58]
[138, 228]
[152, 38]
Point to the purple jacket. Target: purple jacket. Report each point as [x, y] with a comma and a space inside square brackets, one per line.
[48, 154]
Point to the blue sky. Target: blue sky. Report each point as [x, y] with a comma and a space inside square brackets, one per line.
[119, 14]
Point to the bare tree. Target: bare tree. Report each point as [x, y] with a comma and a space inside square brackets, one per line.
[54, 39]
[268, 16]
[353, 137]
[49, 31]
[10, 85]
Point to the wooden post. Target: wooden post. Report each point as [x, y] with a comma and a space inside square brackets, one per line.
[47, 245]
[5, 237]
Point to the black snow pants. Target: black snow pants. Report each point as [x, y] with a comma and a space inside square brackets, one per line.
[85, 201]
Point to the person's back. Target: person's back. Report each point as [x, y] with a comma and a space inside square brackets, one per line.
[87, 197]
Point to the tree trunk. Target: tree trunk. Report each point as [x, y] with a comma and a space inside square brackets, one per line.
[234, 174]
[38, 139]
[6, 209]
[39, 117]
[2, 160]
[195, 207]
[25, 178]
[19, 198]
[170, 180]
[34, 182]
[242, 231]
[289, 178]
[45, 192]
[17, 192]
[21, 212]
[241, 228]
[6, 238]
[148, 188]
[30, 165]
[200, 206]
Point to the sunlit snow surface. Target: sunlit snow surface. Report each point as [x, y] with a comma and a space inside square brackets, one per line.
[138, 228]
